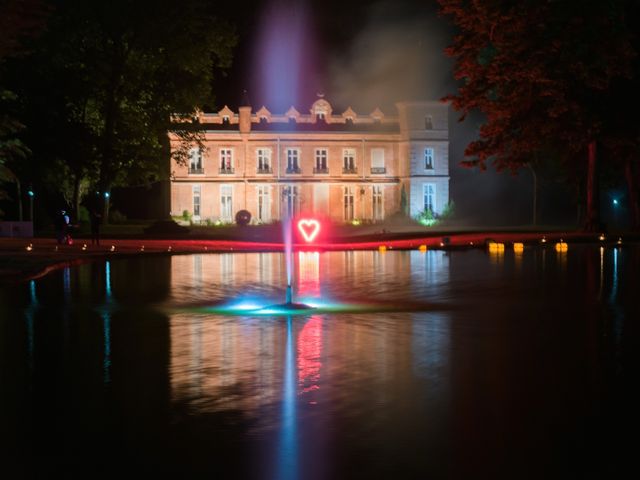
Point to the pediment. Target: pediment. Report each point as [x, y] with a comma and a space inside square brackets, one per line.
[226, 112]
[377, 114]
[349, 113]
[263, 113]
[292, 112]
[321, 106]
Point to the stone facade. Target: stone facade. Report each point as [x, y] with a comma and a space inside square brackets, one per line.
[340, 167]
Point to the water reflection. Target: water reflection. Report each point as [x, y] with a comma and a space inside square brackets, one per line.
[30, 311]
[309, 355]
[308, 274]
[106, 325]
[430, 268]
[387, 395]
[287, 456]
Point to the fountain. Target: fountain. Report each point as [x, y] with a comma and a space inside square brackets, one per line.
[289, 305]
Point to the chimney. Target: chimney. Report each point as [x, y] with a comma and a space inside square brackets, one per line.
[245, 113]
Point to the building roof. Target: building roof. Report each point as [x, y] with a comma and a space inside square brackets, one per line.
[321, 118]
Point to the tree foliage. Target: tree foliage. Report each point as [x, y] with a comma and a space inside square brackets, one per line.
[541, 72]
[19, 21]
[103, 83]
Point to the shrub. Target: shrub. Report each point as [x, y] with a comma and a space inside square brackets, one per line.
[83, 215]
[427, 218]
[117, 217]
[448, 211]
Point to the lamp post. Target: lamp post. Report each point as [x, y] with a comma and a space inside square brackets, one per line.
[31, 194]
[106, 207]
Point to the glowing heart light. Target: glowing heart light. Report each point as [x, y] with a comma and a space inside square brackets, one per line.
[309, 228]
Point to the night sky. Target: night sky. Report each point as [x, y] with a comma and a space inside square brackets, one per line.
[366, 54]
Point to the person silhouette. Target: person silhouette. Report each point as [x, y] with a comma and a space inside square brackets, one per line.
[61, 226]
[94, 218]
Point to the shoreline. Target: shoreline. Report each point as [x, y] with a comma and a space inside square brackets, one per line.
[18, 263]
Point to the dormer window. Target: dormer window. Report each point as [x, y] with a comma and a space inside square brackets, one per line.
[321, 109]
[263, 119]
[225, 120]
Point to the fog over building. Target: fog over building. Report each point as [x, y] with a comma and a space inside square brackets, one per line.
[337, 165]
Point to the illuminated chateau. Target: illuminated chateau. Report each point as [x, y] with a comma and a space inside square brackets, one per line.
[341, 166]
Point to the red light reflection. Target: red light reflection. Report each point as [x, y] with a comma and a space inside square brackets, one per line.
[309, 351]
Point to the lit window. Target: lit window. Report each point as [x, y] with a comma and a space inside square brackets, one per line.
[264, 160]
[195, 161]
[349, 160]
[226, 160]
[429, 194]
[291, 200]
[377, 160]
[378, 211]
[428, 158]
[428, 123]
[293, 156]
[321, 160]
[196, 200]
[348, 204]
[226, 203]
[264, 203]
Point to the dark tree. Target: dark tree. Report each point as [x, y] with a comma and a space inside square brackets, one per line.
[20, 20]
[105, 80]
[541, 72]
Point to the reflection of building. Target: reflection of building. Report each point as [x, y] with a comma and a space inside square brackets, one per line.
[218, 363]
[342, 166]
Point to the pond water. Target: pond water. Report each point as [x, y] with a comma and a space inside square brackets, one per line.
[458, 364]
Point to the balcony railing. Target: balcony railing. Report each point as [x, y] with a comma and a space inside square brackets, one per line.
[227, 171]
[347, 170]
[321, 170]
[264, 170]
[293, 170]
[378, 169]
[196, 171]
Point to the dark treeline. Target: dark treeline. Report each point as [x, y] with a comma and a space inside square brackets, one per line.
[555, 82]
[88, 90]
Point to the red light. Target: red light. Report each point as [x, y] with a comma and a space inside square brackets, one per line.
[309, 228]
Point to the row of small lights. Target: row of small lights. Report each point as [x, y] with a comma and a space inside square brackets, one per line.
[84, 248]
[494, 247]
[518, 247]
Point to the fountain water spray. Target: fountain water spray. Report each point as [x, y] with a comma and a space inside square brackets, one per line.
[289, 305]
[288, 256]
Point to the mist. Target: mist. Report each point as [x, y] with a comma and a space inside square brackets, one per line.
[398, 54]
[373, 55]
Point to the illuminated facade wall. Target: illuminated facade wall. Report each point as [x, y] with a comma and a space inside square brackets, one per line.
[338, 166]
